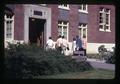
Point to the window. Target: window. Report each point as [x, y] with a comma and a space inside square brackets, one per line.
[82, 30]
[64, 6]
[63, 28]
[104, 19]
[83, 8]
[9, 27]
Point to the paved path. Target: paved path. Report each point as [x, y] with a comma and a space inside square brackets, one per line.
[101, 64]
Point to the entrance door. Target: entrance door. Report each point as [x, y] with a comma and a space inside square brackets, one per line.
[36, 31]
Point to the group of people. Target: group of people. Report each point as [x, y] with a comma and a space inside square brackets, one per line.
[62, 44]
[79, 44]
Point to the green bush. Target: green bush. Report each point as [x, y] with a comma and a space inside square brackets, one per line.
[111, 58]
[28, 61]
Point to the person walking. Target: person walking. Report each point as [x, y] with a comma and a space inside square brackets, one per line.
[65, 45]
[74, 45]
[78, 43]
[58, 45]
[50, 44]
[84, 44]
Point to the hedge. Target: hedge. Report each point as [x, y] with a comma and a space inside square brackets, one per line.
[28, 61]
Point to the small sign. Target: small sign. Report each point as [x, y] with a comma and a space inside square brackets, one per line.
[38, 13]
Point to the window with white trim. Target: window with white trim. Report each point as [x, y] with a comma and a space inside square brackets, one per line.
[82, 28]
[64, 6]
[9, 27]
[83, 8]
[63, 28]
[104, 19]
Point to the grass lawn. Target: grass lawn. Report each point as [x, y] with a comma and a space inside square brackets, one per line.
[92, 74]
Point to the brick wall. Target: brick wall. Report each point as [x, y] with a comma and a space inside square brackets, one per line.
[19, 22]
[73, 21]
[54, 21]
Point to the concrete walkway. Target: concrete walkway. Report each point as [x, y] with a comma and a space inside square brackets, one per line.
[101, 64]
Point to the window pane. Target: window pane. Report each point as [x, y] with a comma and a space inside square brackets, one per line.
[106, 27]
[84, 7]
[84, 25]
[84, 33]
[107, 18]
[80, 25]
[65, 31]
[101, 17]
[59, 31]
[101, 9]
[65, 5]
[107, 10]
[101, 26]
[59, 22]
[64, 27]
[65, 23]
[9, 29]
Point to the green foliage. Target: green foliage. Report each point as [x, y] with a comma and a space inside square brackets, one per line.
[27, 61]
[111, 58]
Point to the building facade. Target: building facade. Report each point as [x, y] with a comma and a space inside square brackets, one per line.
[94, 23]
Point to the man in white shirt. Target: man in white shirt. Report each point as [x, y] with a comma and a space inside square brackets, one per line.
[50, 43]
[65, 44]
[59, 43]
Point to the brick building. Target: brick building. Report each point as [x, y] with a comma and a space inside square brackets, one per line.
[95, 23]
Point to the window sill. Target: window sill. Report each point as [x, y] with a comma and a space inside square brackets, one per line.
[108, 30]
[65, 8]
[104, 30]
[82, 11]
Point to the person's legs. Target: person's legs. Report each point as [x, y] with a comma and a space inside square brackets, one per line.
[59, 49]
[85, 52]
[64, 50]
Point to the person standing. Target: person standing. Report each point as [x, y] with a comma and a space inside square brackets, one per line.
[50, 43]
[84, 44]
[65, 45]
[59, 43]
[78, 43]
[74, 45]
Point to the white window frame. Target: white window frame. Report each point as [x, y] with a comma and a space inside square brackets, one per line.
[81, 10]
[62, 25]
[82, 27]
[12, 28]
[64, 7]
[104, 21]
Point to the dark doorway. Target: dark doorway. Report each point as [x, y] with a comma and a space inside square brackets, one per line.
[36, 31]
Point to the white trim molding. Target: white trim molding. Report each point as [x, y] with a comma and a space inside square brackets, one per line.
[93, 47]
[104, 19]
[61, 25]
[10, 26]
[64, 6]
[82, 10]
[29, 12]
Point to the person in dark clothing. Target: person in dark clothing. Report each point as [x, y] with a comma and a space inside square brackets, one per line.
[79, 43]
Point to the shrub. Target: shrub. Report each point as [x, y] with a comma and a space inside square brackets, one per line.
[111, 58]
[24, 61]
